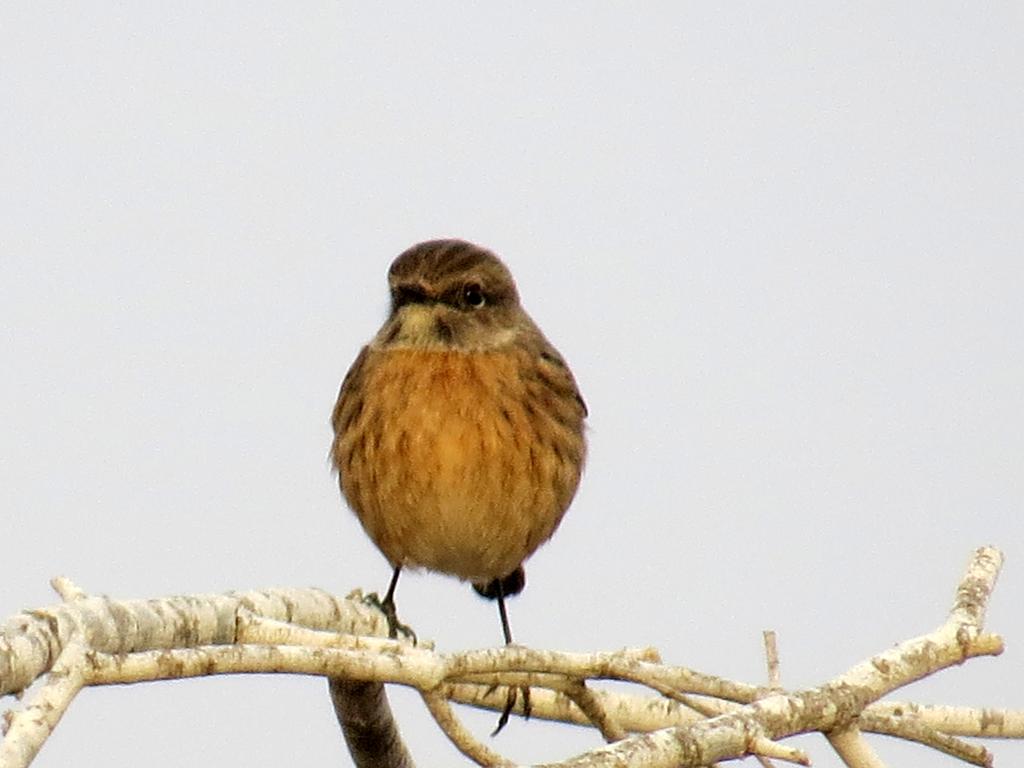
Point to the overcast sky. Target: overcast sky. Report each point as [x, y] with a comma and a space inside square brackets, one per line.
[781, 248]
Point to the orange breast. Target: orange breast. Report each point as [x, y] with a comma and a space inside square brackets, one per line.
[459, 462]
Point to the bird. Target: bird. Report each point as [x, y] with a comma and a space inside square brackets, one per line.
[459, 430]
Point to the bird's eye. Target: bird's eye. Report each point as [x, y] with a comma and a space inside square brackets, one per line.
[473, 295]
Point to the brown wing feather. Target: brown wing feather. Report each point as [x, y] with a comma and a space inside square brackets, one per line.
[349, 405]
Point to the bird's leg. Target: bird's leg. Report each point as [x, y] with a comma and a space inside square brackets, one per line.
[503, 614]
[513, 691]
[387, 607]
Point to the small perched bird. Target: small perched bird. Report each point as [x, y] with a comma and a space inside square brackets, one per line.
[458, 431]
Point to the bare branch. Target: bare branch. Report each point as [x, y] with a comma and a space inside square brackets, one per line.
[29, 728]
[633, 713]
[831, 707]
[459, 735]
[368, 726]
[30, 641]
[590, 705]
[696, 720]
[850, 745]
[766, 748]
[914, 729]
[957, 721]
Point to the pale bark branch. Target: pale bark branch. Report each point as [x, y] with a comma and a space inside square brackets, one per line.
[957, 721]
[697, 720]
[850, 744]
[28, 729]
[367, 724]
[913, 728]
[771, 653]
[459, 735]
[590, 705]
[834, 706]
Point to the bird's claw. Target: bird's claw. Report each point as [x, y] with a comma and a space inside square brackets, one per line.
[510, 703]
[387, 607]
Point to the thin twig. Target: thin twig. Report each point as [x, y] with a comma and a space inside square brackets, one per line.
[764, 747]
[913, 728]
[590, 705]
[771, 652]
[987, 722]
[463, 740]
[67, 589]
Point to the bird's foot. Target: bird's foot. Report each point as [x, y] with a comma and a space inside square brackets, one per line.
[387, 607]
[510, 703]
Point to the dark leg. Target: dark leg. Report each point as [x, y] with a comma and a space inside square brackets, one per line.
[504, 616]
[387, 607]
[389, 598]
[510, 702]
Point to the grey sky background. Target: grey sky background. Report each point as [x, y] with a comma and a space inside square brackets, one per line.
[781, 247]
